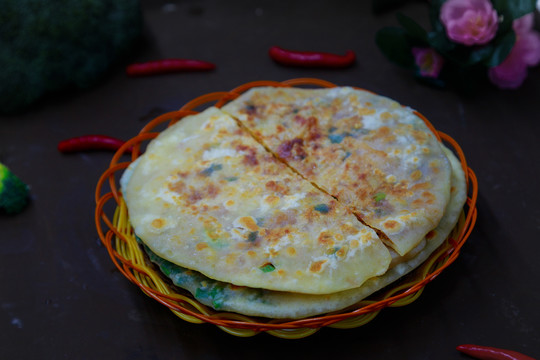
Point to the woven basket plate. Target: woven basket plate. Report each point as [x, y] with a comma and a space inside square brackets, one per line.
[117, 235]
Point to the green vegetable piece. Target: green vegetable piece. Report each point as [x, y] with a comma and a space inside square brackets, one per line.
[380, 196]
[360, 131]
[322, 208]
[268, 267]
[231, 178]
[214, 293]
[253, 236]
[347, 154]
[13, 192]
[208, 171]
[336, 138]
[332, 250]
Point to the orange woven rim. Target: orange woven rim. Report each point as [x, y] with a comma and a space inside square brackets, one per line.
[441, 259]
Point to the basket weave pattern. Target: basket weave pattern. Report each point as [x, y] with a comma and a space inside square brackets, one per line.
[129, 258]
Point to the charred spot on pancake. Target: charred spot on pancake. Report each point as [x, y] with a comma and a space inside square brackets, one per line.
[386, 115]
[300, 119]
[271, 200]
[277, 187]
[349, 229]
[250, 156]
[194, 195]
[317, 266]
[178, 187]
[416, 175]
[292, 149]
[158, 223]
[201, 246]
[291, 251]
[420, 136]
[248, 222]
[391, 225]
[312, 125]
[342, 252]
[211, 191]
[325, 238]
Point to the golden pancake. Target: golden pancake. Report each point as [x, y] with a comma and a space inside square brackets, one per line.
[375, 156]
[206, 196]
[275, 304]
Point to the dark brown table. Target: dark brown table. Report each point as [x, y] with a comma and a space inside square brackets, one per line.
[62, 297]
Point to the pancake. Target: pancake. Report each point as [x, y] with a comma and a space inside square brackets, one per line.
[286, 305]
[375, 156]
[207, 197]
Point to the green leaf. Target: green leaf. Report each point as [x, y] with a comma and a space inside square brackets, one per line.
[502, 49]
[440, 42]
[434, 12]
[481, 54]
[394, 44]
[514, 9]
[380, 196]
[413, 29]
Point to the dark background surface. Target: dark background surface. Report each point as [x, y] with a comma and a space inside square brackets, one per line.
[62, 297]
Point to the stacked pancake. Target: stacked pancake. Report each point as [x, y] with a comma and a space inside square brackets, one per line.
[289, 202]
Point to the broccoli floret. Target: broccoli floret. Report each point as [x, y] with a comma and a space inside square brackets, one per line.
[47, 46]
[13, 192]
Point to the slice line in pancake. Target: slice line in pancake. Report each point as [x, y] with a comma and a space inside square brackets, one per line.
[380, 233]
[412, 225]
[283, 161]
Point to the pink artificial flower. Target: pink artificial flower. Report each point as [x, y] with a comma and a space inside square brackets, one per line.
[428, 61]
[469, 22]
[511, 73]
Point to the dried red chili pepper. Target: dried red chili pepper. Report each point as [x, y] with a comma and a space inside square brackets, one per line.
[89, 142]
[168, 66]
[310, 58]
[491, 353]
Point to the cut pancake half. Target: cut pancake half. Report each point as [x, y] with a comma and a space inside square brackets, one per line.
[375, 156]
[208, 197]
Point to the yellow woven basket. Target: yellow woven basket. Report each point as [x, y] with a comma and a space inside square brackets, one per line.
[131, 260]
